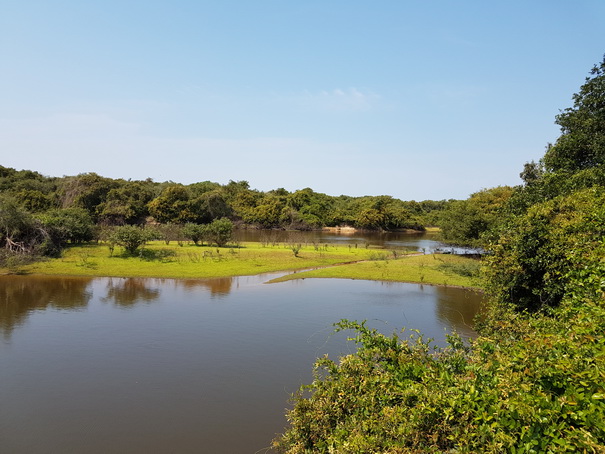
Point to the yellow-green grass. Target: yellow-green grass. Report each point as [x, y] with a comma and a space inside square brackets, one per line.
[434, 269]
[193, 261]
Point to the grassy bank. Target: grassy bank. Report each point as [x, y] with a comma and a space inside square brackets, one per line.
[434, 269]
[325, 261]
[190, 261]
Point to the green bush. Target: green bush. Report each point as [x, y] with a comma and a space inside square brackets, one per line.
[532, 382]
[130, 237]
[529, 387]
[195, 232]
[68, 225]
[532, 262]
[219, 231]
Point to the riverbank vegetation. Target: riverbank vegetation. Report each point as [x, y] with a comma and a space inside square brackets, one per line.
[157, 259]
[534, 379]
[40, 215]
[432, 269]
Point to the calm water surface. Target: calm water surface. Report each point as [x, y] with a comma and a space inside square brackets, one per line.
[189, 366]
[419, 241]
[407, 240]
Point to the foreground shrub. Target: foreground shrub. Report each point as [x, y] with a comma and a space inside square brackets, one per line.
[534, 388]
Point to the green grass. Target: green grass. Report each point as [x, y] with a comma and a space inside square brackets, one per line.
[190, 261]
[320, 261]
[435, 269]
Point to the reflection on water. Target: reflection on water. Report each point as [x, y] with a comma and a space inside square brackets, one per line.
[458, 308]
[176, 372]
[128, 291]
[21, 295]
[220, 286]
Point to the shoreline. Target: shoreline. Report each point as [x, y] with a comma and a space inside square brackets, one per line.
[276, 280]
[197, 262]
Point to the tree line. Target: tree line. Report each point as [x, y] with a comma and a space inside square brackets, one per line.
[118, 202]
[40, 215]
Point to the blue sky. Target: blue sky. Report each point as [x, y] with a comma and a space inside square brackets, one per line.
[414, 99]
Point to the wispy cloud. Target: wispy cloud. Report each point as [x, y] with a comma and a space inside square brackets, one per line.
[340, 100]
[455, 95]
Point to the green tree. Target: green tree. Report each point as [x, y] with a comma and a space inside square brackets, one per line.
[370, 218]
[268, 213]
[202, 187]
[195, 232]
[33, 200]
[383, 213]
[233, 188]
[19, 230]
[244, 201]
[535, 260]
[209, 206]
[130, 237]
[581, 144]
[68, 225]
[13, 181]
[309, 208]
[343, 213]
[219, 231]
[469, 222]
[169, 232]
[172, 205]
[127, 204]
[87, 190]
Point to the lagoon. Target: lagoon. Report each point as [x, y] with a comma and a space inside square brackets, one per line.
[101, 365]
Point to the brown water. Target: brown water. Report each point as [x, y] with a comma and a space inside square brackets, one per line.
[186, 366]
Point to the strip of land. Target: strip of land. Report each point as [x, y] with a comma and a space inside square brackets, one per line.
[432, 269]
[189, 261]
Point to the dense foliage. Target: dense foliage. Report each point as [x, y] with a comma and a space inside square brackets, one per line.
[470, 222]
[117, 202]
[534, 379]
[49, 213]
[542, 255]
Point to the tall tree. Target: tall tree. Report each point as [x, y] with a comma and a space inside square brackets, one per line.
[87, 190]
[582, 141]
[127, 204]
[172, 205]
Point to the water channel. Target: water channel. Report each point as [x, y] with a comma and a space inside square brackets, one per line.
[156, 365]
